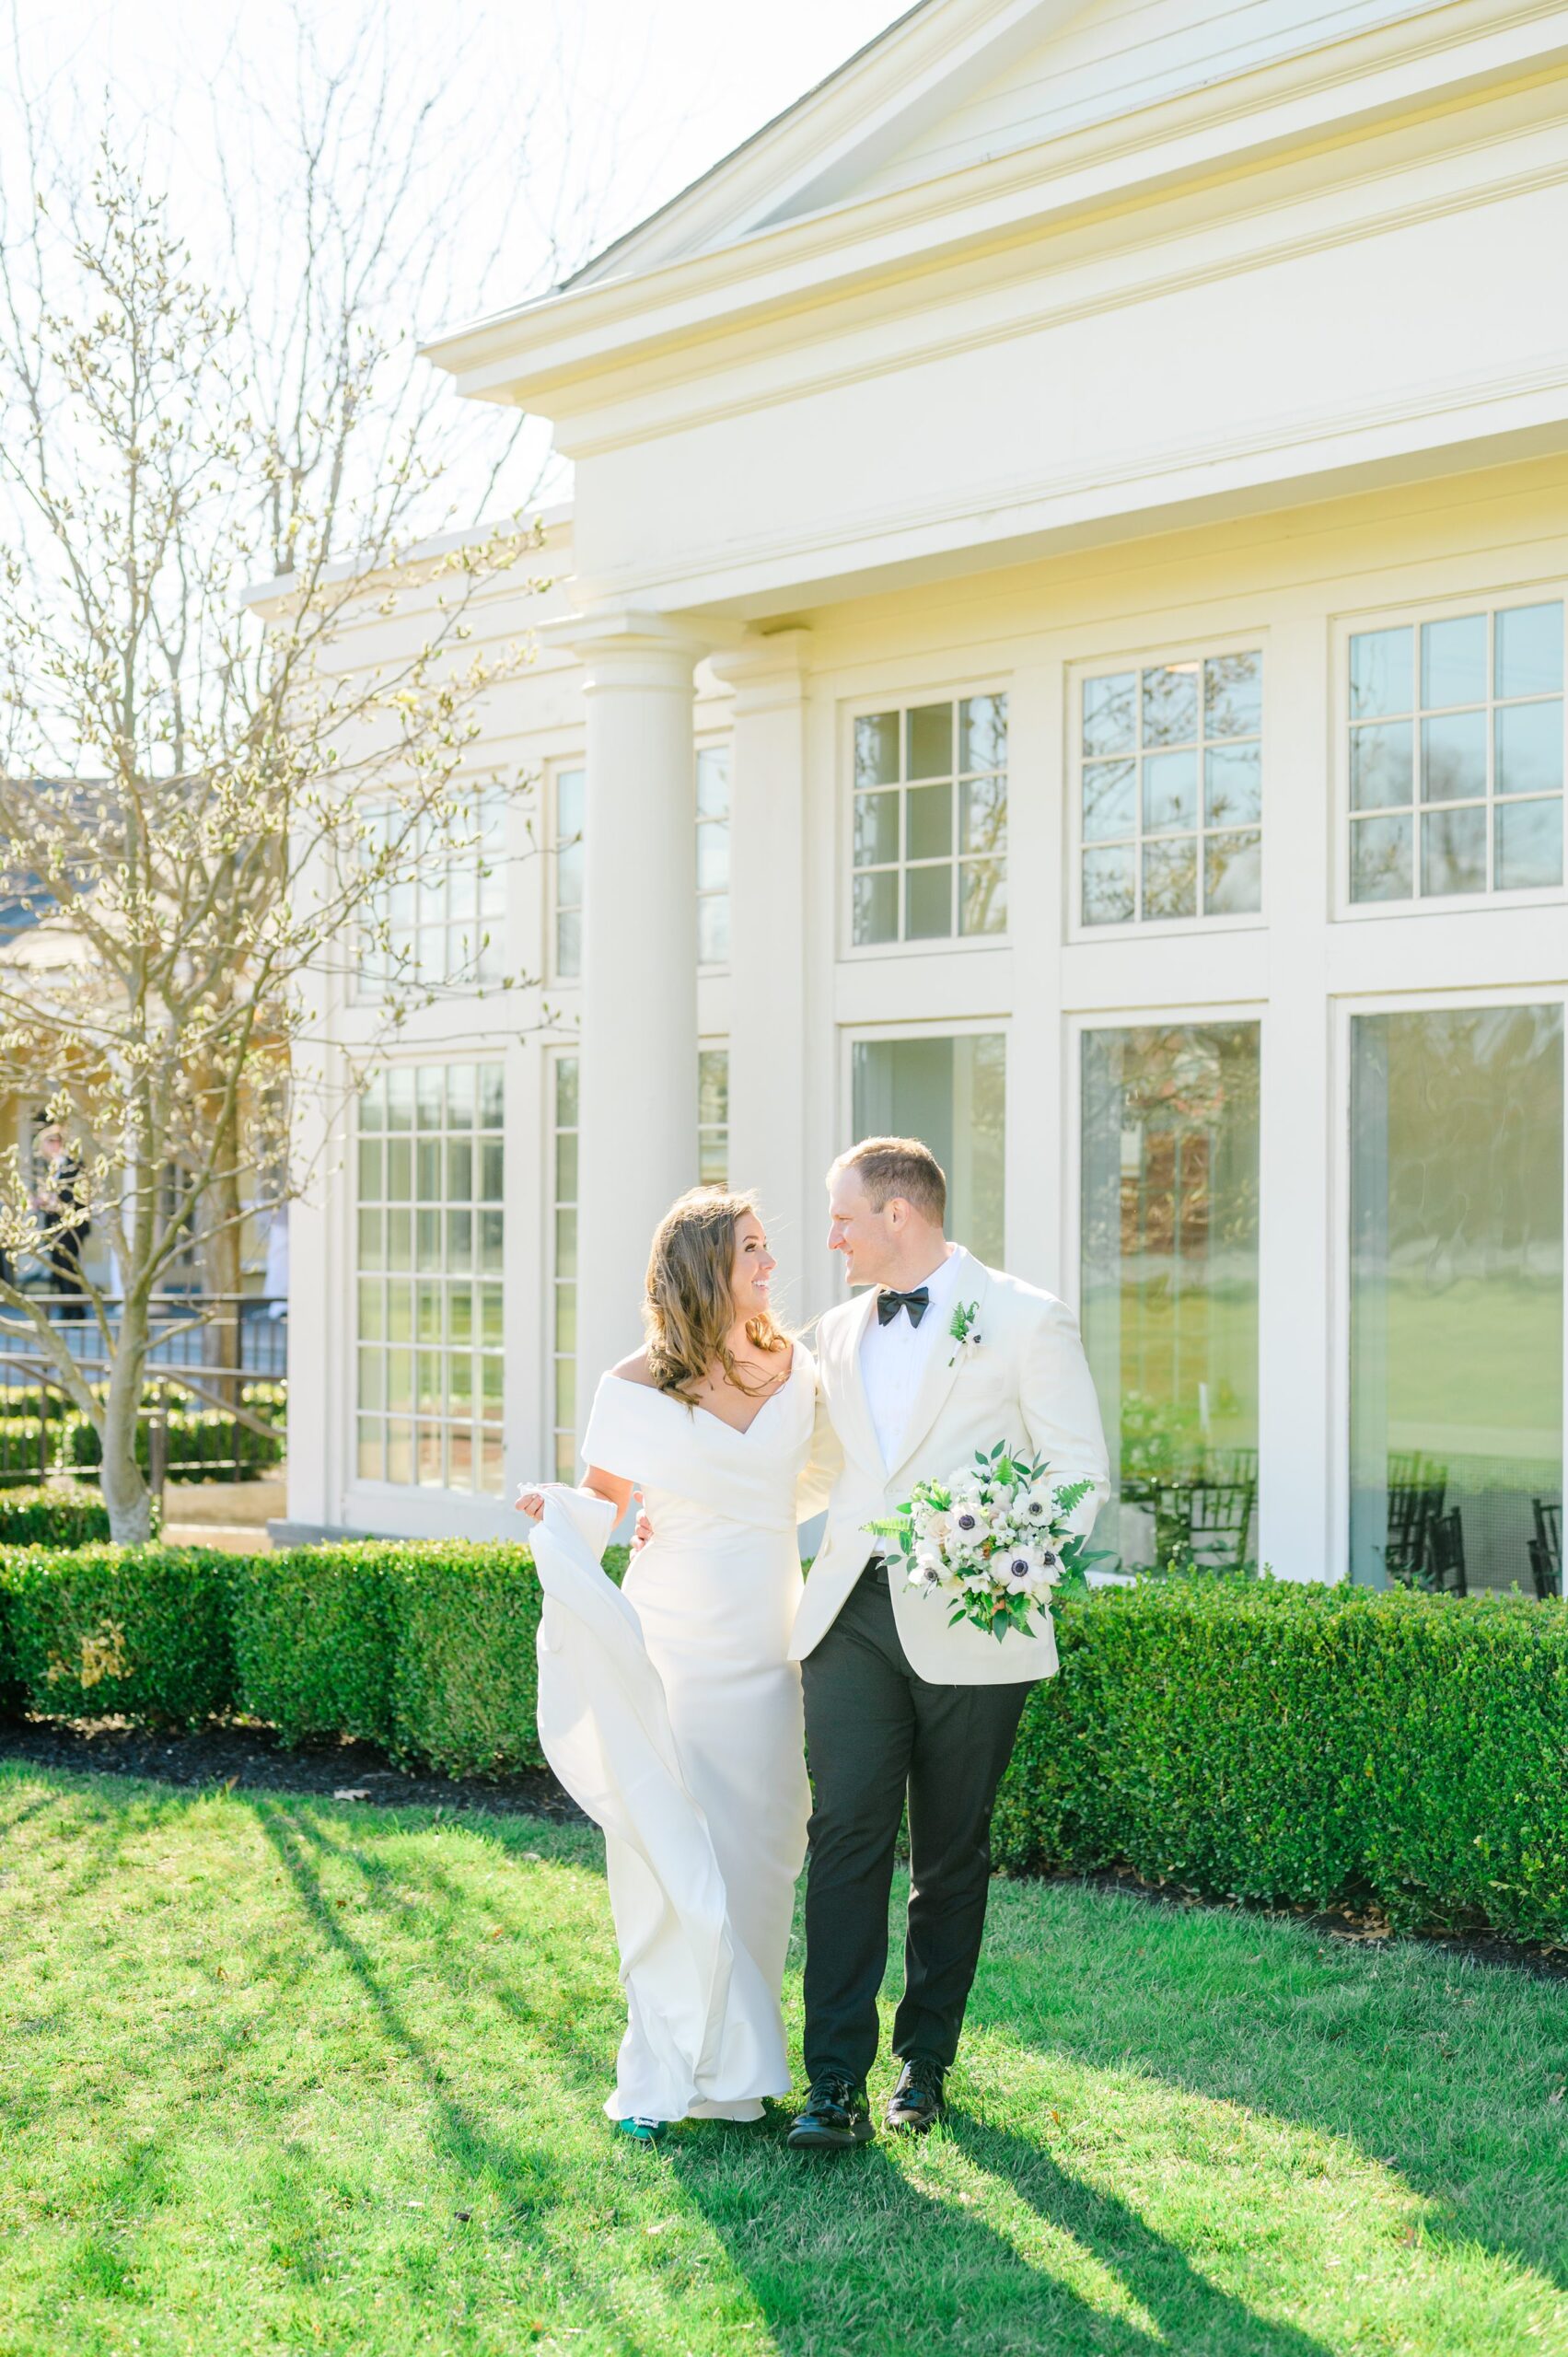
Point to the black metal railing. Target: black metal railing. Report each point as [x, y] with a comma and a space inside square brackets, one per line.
[214, 1407]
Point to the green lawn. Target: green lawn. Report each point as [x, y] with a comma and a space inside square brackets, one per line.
[287, 2075]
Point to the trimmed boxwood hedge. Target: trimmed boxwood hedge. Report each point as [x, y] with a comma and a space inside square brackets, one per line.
[456, 1608]
[54, 1515]
[203, 1445]
[1303, 1745]
[1306, 1744]
[428, 1649]
[142, 1634]
[313, 1640]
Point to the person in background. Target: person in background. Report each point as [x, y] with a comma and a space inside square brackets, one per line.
[55, 1199]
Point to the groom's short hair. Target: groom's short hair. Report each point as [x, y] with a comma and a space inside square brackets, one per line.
[889, 1167]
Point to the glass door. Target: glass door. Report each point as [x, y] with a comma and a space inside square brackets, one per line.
[1169, 1284]
[1456, 1298]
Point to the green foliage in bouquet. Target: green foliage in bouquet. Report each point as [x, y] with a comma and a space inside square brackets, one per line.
[998, 1540]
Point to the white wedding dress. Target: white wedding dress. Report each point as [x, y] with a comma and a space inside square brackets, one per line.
[671, 1715]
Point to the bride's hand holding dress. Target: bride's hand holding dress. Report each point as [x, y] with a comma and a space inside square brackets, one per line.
[671, 1712]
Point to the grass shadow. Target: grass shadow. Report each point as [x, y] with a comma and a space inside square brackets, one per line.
[1445, 2071]
[819, 2244]
[21, 1817]
[573, 1976]
[1138, 2018]
[893, 2238]
[534, 2186]
[472, 1981]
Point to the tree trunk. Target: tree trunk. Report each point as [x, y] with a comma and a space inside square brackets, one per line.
[220, 1259]
[125, 1493]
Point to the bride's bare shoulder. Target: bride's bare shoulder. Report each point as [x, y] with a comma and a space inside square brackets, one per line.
[634, 1370]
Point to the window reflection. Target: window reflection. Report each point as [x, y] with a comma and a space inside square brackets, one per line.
[430, 1273]
[929, 837]
[1488, 778]
[1171, 773]
[712, 1117]
[1457, 1298]
[951, 1093]
[712, 855]
[1170, 1284]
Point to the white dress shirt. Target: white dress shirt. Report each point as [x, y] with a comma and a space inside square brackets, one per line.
[893, 1358]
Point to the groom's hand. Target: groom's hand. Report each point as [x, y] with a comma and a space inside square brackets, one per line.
[645, 1531]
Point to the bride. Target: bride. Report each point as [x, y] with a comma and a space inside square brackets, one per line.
[668, 1709]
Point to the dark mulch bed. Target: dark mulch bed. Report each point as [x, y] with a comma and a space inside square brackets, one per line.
[251, 1759]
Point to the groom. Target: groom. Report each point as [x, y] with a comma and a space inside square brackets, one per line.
[940, 1357]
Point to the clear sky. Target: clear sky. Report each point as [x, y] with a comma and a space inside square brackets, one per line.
[550, 126]
[645, 98]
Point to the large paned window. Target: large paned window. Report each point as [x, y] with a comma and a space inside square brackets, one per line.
[930, 823]
[713, 863]
[952, 1093]
[712, 855]
[1169, 1284]
[430, 1366]
[1170, 791]
[569, 785]
[713, 1116]
[564, 1266]
[1456, 755]
[1456, 1309]
[446, 917]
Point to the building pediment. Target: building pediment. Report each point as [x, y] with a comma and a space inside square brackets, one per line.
[1318, 265]
[848, 132]
[971, 128]
[960, 82]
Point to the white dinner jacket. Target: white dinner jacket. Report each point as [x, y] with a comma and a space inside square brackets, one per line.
[1027, 1383]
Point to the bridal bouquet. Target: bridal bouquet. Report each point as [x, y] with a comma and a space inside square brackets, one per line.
[994, 1538]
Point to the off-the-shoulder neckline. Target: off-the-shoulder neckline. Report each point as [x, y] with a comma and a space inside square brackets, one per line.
[741, 1432]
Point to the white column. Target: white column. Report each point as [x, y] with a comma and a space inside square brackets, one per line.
[638, 1074]
[770, 945]
[1297, 1121]
[320, 1311]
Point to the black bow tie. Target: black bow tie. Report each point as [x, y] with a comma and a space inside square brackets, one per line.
[890, 1302]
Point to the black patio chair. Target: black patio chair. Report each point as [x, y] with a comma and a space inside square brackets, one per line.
[1206, 1522]
[1414, 1506]
[1546, 1548]
[1223, 1465]
[1446, 1554]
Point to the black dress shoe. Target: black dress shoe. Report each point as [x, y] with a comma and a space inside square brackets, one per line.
[836, 2115]
[918, 2101]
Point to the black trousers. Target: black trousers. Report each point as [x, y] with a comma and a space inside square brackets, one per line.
[873, 1732]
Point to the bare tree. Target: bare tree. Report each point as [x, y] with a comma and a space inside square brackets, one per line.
[197, 812]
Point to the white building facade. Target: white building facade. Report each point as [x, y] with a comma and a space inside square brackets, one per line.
[1060, 647]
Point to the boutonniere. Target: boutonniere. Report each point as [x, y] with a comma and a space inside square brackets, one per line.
[966, 1334]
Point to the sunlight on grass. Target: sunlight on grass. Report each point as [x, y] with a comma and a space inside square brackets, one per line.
[289, 2075]
[945, 2174]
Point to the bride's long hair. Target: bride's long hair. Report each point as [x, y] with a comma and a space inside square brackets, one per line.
[688, 1309]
